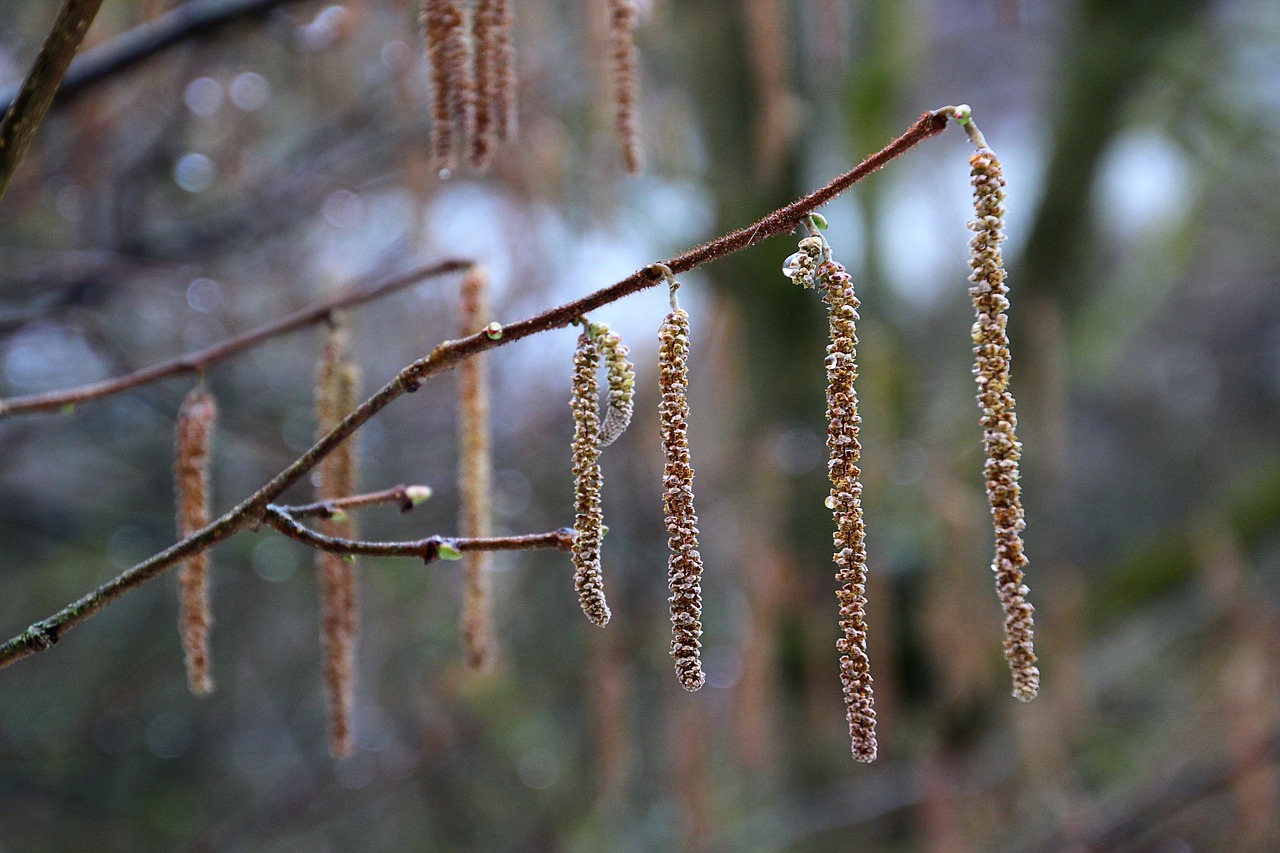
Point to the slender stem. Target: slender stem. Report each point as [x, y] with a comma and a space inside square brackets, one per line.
[427, 549]
[195, 362]
[407, 497]
[43, 634]
[28, 108]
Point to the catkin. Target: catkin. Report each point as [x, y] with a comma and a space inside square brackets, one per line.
[626, 82]
[622, 383]
[684, 566]
[196, 419]
[337, 385]
[494, 79]
[999, 422]
[845, 502]
[474, 475]
[448, 49]
[587, 480]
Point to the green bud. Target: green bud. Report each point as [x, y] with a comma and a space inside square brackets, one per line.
[448, 551]
[819, 221]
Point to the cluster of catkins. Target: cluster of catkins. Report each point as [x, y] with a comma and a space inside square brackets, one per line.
[685, 562]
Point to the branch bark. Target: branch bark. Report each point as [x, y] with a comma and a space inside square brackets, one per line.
[27, 110]
[43, 634]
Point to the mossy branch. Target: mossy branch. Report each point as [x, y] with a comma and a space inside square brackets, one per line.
[253, 509]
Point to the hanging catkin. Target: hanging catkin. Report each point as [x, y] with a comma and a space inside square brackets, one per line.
[587, 481]
[493, 51]
[196, 420]
[626, 82]
[1003, 450]
[684, 566]
[474, 476]
[845, 499]
[622, 383]
[337, 381]
[448, 49]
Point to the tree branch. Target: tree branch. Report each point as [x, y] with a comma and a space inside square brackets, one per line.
[192, 20]
[407, 497]
[52, 401]
[27, 110]
[43, 634]
[426, 550]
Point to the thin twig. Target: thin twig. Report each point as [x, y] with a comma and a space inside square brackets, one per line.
[406, 497]
[427, 549]
[195, 362]
[43, 634]
[23, 117]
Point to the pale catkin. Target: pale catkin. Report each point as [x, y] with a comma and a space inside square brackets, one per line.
[337, 386]
[626, 82]
[845, 502]
[196, 419]
[999, 422]
[684, 565]
[620, 405]
[474, 476]
[587, 481]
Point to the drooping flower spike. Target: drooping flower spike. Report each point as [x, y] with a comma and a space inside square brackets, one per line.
[587, 481]
[684, 566]
[196, 418]
[622, 382]
[475, 474]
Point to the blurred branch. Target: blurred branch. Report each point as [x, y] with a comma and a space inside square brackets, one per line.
[427, 550]
[26, 110]
[197, 361]
[199, 19]
[41, 635]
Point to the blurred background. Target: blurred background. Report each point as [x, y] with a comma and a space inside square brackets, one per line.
[253, 166]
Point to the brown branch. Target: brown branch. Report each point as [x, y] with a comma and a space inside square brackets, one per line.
[28, 108]
[43, 634]
[406, 497]
[197, 19]
[194, 362]
[427, 550]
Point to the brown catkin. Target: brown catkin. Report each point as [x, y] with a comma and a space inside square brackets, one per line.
[196, 420]
[684, 566]
[845, 502]
[626, 82]
[622, 383]
[494, 79]
[587, 480]
[444, 33]
[474, 475]
[337, 385]
[999, 423]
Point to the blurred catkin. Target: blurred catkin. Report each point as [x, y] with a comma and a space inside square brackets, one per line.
[337, 385]
[622, 383]
[493, 53]
[685, 562]
[474, 475]
[999, 423]
[845, 502]
[626, 82]
[587, 481]
[453, 95]
[196, 419]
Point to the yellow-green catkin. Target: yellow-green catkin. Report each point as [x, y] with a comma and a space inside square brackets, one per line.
[474, 476]
[337, 387]
[196, 419]
[587, 481]
[684, 566]
[622, 383]
[845, 501]
[999, 422]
